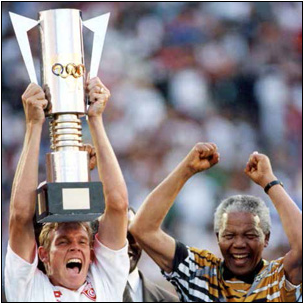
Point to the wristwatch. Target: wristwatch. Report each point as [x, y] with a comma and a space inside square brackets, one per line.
[269, 185]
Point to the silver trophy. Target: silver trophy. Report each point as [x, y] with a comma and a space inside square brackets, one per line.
[67, 194]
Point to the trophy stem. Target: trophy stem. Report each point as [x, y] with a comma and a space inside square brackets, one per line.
[67, 163]
[65, 132]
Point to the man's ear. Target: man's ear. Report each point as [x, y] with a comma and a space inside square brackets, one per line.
[267, 237]
[43, 254]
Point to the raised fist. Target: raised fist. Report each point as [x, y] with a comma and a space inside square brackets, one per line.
[259, 169]
[98, 96]
[34, 103]
[202, 157]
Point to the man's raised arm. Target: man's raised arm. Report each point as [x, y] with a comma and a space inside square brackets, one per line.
[146, 226]
[112, 230]
[23, 197]
[259, 170]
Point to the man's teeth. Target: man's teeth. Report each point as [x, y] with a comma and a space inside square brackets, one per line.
[74, 261]
[240, 256]
[74, 264]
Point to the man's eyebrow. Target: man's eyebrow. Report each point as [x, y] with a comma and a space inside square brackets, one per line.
[62, 237]
[225, 231]
[252, 230]
[82, 237]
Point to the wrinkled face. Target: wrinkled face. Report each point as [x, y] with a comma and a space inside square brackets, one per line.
[69, 257]
[241, 241]
[134, 250]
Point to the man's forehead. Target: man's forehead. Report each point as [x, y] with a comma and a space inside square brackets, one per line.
[70, 229]
[244, 220]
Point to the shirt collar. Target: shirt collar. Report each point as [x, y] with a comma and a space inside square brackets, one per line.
[134, 279]
[249, 278]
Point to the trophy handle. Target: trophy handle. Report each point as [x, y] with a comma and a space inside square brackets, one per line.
[98, 25]
[21, 25]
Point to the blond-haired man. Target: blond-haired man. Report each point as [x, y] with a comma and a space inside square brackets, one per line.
[78, 270]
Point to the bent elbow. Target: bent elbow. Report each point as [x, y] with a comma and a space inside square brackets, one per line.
[296, 255]
[117, 202]
[139, 232]
[18, 219]
[300, 257]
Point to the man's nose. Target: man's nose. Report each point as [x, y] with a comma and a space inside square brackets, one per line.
[74, 246]
[239, 242]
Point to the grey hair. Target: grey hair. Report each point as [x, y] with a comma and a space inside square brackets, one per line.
[243, 203]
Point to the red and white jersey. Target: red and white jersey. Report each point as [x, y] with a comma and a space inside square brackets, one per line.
[106, 279]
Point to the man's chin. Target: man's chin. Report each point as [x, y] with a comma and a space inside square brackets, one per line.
[241, 271]
[239, 268]
[71, 281]
[74, 284]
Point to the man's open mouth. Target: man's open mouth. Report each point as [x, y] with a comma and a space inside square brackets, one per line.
[240, 259]
[240, 256]
[75, 265]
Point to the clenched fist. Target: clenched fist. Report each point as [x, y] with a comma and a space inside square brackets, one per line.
[202, 157]
[259, 169]
[98, 96]
[34, 103]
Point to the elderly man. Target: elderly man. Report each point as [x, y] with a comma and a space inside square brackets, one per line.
[77, 269]
[139, 288]
[242, 227]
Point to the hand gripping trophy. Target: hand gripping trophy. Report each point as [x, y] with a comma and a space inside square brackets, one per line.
[67, 194]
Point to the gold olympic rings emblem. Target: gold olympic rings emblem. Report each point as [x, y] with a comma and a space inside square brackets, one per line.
[70, 69]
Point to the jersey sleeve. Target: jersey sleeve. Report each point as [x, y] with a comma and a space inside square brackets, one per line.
[110, 269]
[288, 291]
[189, 264]
[19, 277]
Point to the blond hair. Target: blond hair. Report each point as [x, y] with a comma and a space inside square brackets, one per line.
[48, 229]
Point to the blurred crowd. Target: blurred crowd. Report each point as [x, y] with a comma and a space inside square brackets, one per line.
[180, 73]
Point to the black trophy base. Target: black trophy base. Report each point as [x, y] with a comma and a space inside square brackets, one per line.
[69, 202]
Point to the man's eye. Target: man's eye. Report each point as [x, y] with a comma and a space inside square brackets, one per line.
[62, 243]
[251, 236]
[228, 236]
